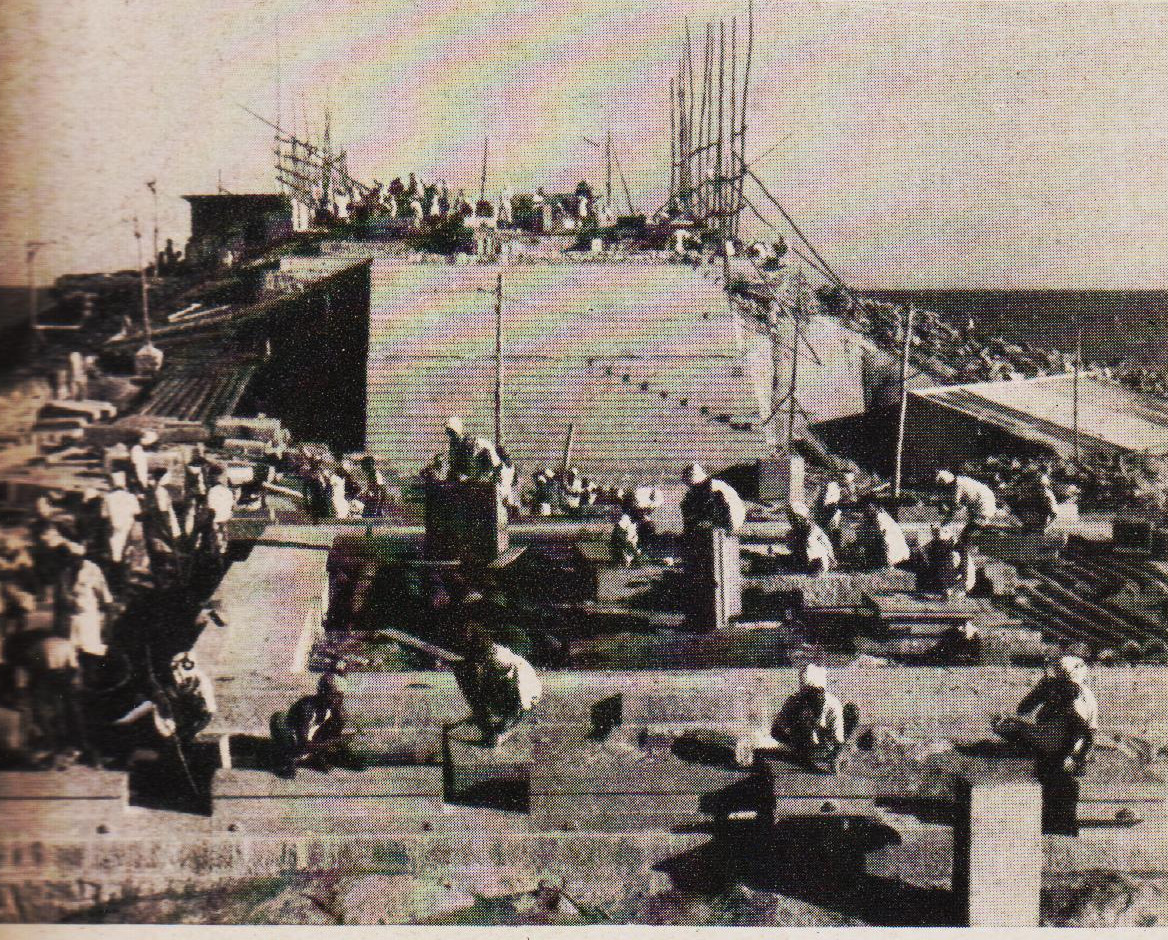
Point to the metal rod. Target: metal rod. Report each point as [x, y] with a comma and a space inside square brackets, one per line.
[742, 125]
[792, 405]
[673, 147]
[1075, 386]
[142, 279]
[483, 181]
[718, 162]
[499, 359]
[903, 414]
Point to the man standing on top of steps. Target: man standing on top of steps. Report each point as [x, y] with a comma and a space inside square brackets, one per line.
[813, 723]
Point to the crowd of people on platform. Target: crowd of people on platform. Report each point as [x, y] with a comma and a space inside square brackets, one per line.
[81, 582]
[419, 203]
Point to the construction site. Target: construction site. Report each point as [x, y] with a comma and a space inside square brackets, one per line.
[391, 557]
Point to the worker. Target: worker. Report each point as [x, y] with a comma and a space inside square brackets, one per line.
[544, 495]
[811, 548]
[958, 645]
[1036, 506]
[1065, 719]
[813, 723]
[881, 539]
[461, 449]
[965, 494]
[640, 505]
[160, 523]
[572, 492]
[827, 512]
[45, 674]
[182, 707]
[148, 361]
[338, 493]
[947, 564]
[499, 685]
[140, 461]
[220, 506]
[120, 508]
[506, 476]
[89, 601]
[625, 541]
[312, 732]
[18, 584]
[710, 504]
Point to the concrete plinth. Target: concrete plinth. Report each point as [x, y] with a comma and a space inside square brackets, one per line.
[998, 853]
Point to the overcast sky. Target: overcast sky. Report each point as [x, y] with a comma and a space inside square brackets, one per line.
[973, 145]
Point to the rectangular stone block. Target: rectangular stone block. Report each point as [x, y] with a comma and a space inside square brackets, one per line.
[998, 853]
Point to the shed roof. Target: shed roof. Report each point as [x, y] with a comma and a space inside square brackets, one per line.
[1043, 409]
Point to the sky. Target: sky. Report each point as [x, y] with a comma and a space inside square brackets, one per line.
[976, 145]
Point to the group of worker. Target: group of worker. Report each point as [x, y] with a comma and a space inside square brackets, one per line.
[1056, 723]
[93, 556]
[332, 490]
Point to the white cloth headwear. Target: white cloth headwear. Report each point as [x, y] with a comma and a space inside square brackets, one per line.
[454, 424]
[813, 677]
[695, 474]
[1073, 668]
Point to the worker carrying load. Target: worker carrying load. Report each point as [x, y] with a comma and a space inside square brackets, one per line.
[1065, 719]
[828, 513]
[499, 685]
[312, 732]
[966, 495]
[813, 722]
[710, 504]
[880, 539]
[640, 505]
[811, 548]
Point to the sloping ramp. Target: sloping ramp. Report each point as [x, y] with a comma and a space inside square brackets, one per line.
[647, 361]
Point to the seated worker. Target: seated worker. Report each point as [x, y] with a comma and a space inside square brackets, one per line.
[312, 732]
[1065, 719]
[811, 548]
[813, 723]
[958, 645]
[710, 504]
[500, 686]
[947, 566]
[180, 709]
[625, 543]
[880, 539]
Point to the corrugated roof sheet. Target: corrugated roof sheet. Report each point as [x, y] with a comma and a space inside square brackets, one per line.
[1043, 409]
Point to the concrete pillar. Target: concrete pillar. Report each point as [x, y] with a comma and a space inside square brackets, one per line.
[465, 521]
[998, 853]
[715, 581]
[781, 480]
